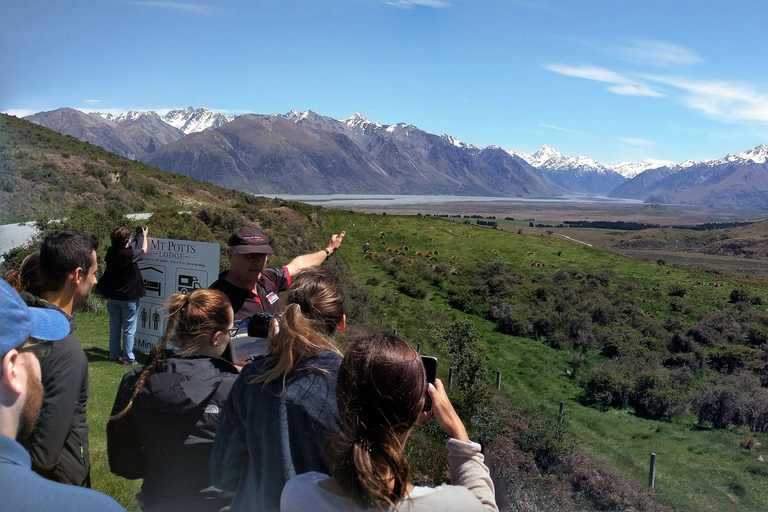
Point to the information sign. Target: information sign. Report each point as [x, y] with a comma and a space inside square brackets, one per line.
[171, 266]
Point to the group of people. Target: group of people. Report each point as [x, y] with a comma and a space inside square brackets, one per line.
[308, 424]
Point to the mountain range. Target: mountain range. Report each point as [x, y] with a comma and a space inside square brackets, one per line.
[307, 153]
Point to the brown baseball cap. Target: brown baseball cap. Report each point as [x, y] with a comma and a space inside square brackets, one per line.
[248, 239]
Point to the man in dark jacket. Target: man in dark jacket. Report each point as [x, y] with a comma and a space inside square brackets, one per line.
[59, 445]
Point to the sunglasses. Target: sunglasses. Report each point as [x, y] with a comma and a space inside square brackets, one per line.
[40, 348]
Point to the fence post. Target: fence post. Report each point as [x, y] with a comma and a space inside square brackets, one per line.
[562, 410]
[652, 472]
[498, 380]
[418, 348]
[394, 332]
[450, 377]
[381, 323]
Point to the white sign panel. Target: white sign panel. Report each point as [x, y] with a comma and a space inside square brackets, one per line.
[171, 266]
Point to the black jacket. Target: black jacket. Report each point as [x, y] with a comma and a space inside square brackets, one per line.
[58, 446]
[122, 279]
[166, 437]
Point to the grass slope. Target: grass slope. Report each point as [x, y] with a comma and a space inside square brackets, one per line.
[45, 173]
[697, 469]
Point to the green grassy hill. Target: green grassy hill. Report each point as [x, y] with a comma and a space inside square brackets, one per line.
[45, 173]
[699, 468]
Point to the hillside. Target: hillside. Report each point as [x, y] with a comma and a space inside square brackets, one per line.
[45, 173]
[640, 353]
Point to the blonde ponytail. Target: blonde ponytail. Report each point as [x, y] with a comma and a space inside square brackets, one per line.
[310, 320]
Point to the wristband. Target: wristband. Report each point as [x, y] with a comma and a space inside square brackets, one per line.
[327, 254]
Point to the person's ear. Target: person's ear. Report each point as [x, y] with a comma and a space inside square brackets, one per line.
[11, 378]
[342, 323]
[229, 255]
[77, 275]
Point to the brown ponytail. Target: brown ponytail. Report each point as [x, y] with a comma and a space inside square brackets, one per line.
[315, 309]
[380, 393]
[26, 278]
[192, 320]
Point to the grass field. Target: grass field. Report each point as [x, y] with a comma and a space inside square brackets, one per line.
[697, 469]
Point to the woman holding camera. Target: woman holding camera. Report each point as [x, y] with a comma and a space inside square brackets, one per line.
[381, 393]
[123, 286]
[165, 415]
[283, 404]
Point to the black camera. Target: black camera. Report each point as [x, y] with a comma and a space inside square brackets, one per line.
[140, 230]
[258, 324]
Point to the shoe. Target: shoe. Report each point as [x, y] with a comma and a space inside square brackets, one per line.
[130, 362]
[119, 360]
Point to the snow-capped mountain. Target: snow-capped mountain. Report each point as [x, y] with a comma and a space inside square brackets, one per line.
[631, 169]
[550, 159]
[758, 155]
[193, 120]
[188, 120]
[580, 174]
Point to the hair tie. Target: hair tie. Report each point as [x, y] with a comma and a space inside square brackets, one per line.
[186, 301]
[304, 303]
[364, 444]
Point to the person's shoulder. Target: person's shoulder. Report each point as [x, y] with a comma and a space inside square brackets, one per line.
[302, 490]
[50, 496]
[446, 497]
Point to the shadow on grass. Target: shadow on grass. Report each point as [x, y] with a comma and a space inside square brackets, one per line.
[97, 355]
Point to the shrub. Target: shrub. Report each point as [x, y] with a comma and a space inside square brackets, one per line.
[676, 290]
[654, 396]
[715, 403]
[753, 410]
[739, 295]
[411, 286]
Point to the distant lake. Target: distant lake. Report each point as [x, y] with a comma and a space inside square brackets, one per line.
[344, 200]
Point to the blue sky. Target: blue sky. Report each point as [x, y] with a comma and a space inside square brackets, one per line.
[612, 79]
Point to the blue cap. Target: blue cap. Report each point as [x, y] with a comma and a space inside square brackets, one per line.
[18, 322]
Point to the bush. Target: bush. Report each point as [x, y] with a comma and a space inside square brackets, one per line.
[739, 295]
[654, 396]
[411, 286]
[676, 290]
[715, 403]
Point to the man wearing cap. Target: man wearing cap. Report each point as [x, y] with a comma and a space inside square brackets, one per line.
[250, 286]
[25, 335]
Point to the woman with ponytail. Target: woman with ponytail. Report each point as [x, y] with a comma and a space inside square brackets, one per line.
[381, 393]
[283, 404]
[165, 414]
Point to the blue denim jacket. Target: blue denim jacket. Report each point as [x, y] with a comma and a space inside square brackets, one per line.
[268, 434]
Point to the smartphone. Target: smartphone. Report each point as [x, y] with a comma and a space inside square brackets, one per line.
[430, 366]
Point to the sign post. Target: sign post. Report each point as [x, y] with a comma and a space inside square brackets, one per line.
[171, 266]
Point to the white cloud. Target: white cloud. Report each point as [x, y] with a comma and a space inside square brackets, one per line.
[91, 102]
[20, 112]
[637, 142]
[176, 6]
[410, 4]
[620, 84]
[655, 53]
[560, 128]
[725, 101]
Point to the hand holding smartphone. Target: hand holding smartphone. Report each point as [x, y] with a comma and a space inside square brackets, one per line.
[430, 366]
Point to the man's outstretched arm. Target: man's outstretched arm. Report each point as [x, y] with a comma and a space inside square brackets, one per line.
[316, 258]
